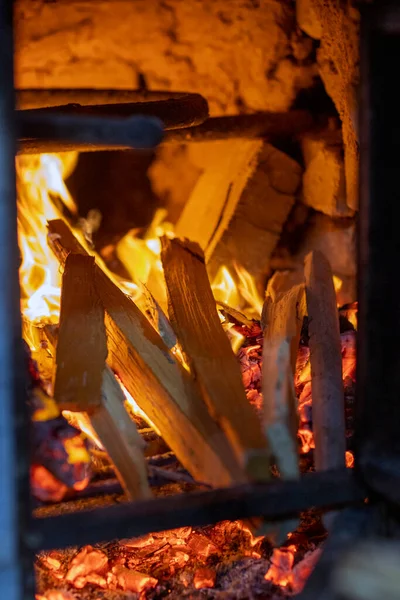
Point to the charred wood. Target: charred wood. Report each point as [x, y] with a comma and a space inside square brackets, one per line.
[59, 132]
[326, 364]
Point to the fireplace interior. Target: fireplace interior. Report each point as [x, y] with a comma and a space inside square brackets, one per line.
[201, 256]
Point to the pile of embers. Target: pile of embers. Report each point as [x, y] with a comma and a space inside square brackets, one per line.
[223, 561]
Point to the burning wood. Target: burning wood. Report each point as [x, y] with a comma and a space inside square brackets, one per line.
[153, 376]
[282, 319]
[194, 316]
[82, 343]
[278, 394]
[60, 458]
[326, 364]
[83, 381]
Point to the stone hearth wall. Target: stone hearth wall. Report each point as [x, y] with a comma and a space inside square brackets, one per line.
[241, 55]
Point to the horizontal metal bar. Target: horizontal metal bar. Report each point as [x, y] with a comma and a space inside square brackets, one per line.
[271, 126]
[259, 125]
[275, 501]
[183, 110]
[38, 129]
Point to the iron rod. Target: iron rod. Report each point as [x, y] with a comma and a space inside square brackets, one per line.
[259, 125]
[16, 562]
[38, 128]
[183, 110]
[276, 501]
[270, 126]
[377, 442]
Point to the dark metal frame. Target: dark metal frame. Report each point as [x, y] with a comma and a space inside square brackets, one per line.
[377, 429]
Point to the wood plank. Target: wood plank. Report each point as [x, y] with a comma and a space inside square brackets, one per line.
[156, 380]
[277, 386]
[119, 436]
[326, 364]
[90, 382]
[282, 318]
[194, 317]
[82, 342]
[241, 200]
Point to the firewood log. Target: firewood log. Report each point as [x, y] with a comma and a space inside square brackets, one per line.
[281, 320]
[156, 380]
[278, 393]
[241, 201]
[82, 343]
[119, 436]
[326, 364]
[82, 380]
[194, 317]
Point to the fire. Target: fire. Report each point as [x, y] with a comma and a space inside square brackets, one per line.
[281, 567]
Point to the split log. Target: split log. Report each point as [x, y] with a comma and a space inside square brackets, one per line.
[157, 381]
[241, 200]
[119, 436]
[194, 317]
[82, 343]
[326, 364]
[283, 314]
[278, 392]
[83, 382]
[282, 318]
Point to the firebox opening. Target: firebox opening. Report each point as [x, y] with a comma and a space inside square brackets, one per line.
[189, 310]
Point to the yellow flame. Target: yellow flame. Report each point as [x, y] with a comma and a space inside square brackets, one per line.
[42, 196]
[132, 404]
[248, 290]
[81, 421]
[224, 288]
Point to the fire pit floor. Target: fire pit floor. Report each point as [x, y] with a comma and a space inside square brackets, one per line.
[223, 561]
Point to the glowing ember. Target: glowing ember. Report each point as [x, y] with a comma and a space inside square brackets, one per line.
[204, 577]
[349, 459]
[55, 595]
[133, 581]
[87, 562]
[281, 566]
[41, 192]
[45, 486]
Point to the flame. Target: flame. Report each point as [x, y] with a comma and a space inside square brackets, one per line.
[134, 407]
[81, 421]
[248, 290]
[224, 288]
